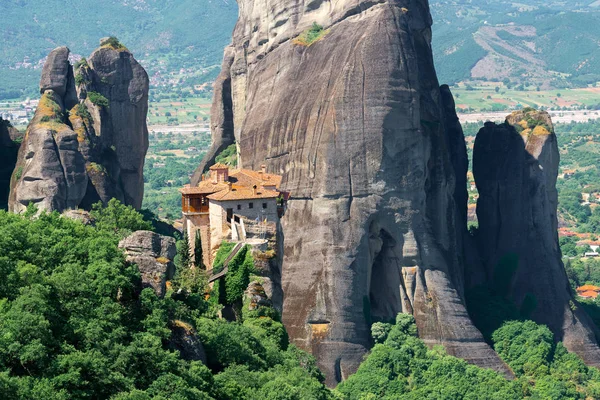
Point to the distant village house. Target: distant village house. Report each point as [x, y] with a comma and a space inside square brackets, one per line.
[588, 291]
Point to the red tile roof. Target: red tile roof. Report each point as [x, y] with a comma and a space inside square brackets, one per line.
[587, 288]
[219, 166]
[245, 185]
[250, 178]
[243, 193]
[590, 294]
[205, 187]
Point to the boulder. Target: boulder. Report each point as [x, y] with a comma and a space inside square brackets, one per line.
[184, 339]
[154, 255]
[79, 215]
[256, 296]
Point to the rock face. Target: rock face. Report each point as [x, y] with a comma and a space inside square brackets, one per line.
[154, 255]
[256, 296]
[356, 123]
[88, 138]
[10, 140]
[184, 339]
[221, 117]
[515, 165]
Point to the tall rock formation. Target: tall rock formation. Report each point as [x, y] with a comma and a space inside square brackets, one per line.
[515, 165]
[10, 140]
[352, 116]
[88, 139]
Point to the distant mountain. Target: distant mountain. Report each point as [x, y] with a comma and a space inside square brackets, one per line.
[166, 35]
[532, 42]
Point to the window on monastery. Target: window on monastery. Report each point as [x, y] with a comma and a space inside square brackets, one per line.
[239, 206]
[251, 205]
[264, 205]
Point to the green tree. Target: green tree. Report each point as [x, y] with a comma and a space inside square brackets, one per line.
[183, 258]
[198, 260]
[118, 218]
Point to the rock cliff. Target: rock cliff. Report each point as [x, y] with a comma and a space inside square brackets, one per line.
[342, 99]
[88, 138]
[10, 140]
[153, 254]
[515, 165]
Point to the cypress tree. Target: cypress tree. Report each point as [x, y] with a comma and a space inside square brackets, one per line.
[198, 251]
[183, 252]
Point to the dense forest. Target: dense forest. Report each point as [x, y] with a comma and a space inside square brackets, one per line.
[75, 323]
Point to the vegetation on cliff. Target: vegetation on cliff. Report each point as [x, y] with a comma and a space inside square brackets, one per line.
[228, 156]
[311, 35]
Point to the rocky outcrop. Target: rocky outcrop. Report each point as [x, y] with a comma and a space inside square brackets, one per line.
[255, 296]
[153, 254]
[355, 122]
[186, 342]
[88, 138]
[10, 140]
[515, 165]
[79, 215]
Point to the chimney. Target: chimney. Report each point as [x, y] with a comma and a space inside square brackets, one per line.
[254, 190]
[263, 169]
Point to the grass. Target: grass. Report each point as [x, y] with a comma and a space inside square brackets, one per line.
[311, 35]
[19, 173]
[98, 99]
[94, 167]
[228, 156]
[113, 43]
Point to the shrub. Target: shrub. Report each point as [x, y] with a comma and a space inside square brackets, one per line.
[119, 218]
[238, 276]
[222, 254]
[228, 156]
[81, 63]
[98, 99]
[79, 79]
[83, 112]
[19, 173]
[113, 43]
[311, 35]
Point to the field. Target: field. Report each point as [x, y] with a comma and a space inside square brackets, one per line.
[179, 111]
[495, 96]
